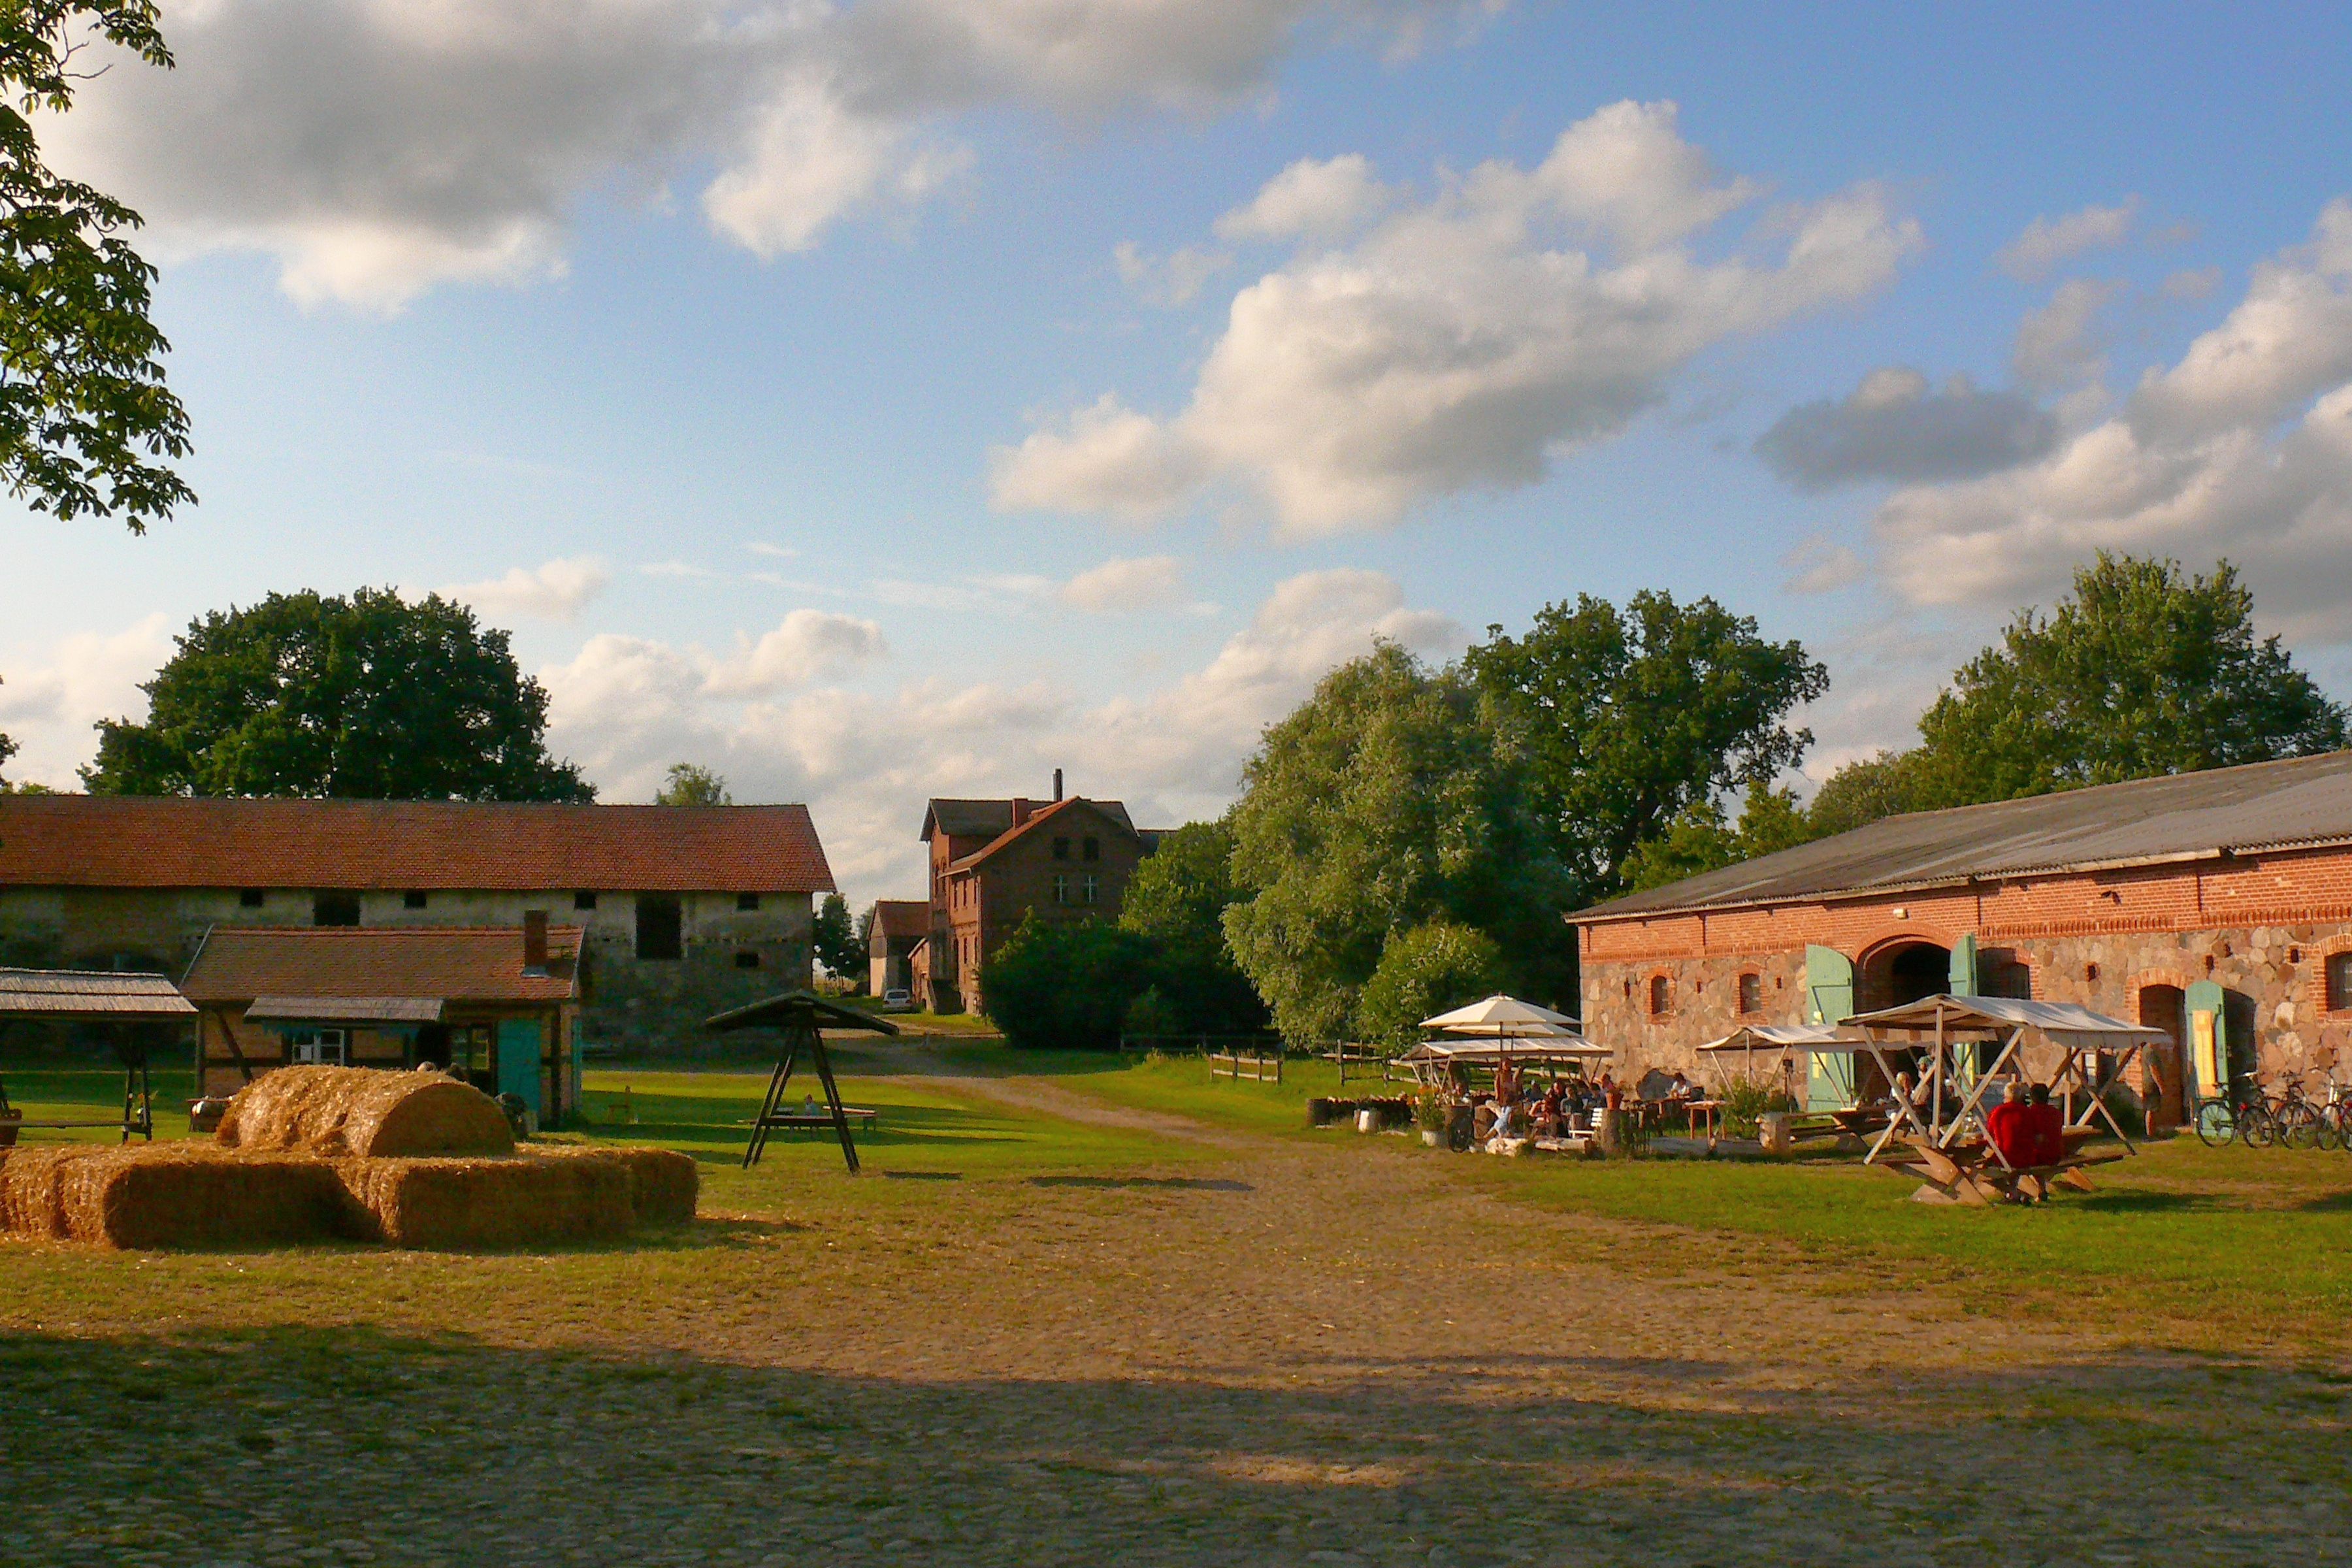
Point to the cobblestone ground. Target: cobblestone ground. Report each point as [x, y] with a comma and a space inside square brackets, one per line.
[1285, 1355]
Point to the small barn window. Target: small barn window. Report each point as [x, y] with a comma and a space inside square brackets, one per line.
[746, 901]
[2339, 981]
[251, 898]
[335, 909]
[583, 901]
[747, 958]
[1661, 992]
[1093, 886]
[1061, 889]
[1092, 848]
[414, 899]
[1751, 992]
[1061, 849]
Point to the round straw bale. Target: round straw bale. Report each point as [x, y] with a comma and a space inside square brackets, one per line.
[337, 1110]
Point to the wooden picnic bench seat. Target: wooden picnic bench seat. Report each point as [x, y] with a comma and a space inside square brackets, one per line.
[1966, 1173]
[819, 1119]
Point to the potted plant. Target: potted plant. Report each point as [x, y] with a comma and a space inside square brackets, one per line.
[1432, 1113]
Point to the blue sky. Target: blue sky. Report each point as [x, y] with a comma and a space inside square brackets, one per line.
[911, 397]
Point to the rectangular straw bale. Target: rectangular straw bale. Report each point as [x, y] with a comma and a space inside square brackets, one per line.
[663, 1183]
[191, 1195]
[521, 1200]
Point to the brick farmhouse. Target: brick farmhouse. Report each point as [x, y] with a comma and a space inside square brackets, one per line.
[2217, 906]
[681, 912]
[994, 863]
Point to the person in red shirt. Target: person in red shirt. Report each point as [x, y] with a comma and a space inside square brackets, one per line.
[2009, 1127]
[2048, 1125]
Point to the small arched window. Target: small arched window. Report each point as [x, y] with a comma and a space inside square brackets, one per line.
[1751, 992]
[1661, 994]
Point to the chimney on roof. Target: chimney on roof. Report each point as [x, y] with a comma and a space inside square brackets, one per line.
[1057, 784]
[534, 942]
[1020, 809]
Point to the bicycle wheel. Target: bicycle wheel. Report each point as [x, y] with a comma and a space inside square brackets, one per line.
[2255, 1128]
[2298, 1127]
[2215, 1125]
[2331, 1126]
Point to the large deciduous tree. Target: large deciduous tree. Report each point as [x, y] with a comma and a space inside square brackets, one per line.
[368, 698]
[1395, 796]
[1635, 717]
[84, 413]
[1177, 901]
[690, 783]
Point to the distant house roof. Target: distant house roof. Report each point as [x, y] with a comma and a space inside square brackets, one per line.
[2303, 802]
[1052, 811]
[66, 995]
[900, 918]
[137, 841]
[341, 963]
[989, 818]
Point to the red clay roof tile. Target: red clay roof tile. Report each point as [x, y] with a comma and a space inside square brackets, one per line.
[456, 963]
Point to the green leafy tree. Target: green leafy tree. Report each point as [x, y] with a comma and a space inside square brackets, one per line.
[367, 698]
[691, 785]
[1704, 838]
[1177, 901]
[1065, 984]
[1864, 790]
[1395, 796]
[835, 939]
[1636, 716]
[84, 412]
[2143, 672]
[1423, 971]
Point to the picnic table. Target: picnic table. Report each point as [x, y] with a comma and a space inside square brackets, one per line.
[1970, 1172]
[1707, 1111]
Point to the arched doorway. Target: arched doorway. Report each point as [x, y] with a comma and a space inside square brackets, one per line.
[2163, 1007]
[1888, 976]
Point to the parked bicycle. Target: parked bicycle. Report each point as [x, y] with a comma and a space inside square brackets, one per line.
[2261, 1122]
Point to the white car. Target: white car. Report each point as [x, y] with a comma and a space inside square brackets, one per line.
[898, 1000]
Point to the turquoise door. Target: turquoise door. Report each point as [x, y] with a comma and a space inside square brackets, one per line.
[1829, 999]
[518, 1048]
[1964, 966]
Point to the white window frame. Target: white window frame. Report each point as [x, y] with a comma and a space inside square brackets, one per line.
[319, 1047]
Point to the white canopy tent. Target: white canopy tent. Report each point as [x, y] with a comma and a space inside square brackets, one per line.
[1784, 1044]
[1954, 1102]
[1501, 1029]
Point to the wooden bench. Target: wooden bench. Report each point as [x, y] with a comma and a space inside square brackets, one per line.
[792, 1119]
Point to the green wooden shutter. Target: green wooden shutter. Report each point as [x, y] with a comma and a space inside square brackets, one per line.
[1829, 999]
[2207, 1049]
[1964, 966]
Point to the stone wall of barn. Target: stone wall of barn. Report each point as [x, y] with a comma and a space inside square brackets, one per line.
[2262, 927]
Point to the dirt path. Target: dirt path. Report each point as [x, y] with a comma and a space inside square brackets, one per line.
[1048, 1098]
[1288, 1352]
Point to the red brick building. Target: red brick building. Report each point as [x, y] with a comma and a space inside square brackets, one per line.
[994, 862]
[2217, 906]
[895, 928]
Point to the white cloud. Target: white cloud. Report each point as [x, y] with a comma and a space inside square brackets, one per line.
[627, 708]
[2242, 448]
[1458, 344]
[2047, 241]
[1311, 199]
[556, 591]
[2061, 344]
[1893, 426]
[761, 547]
[1821, 565]
[1170, 280]
[376, 148]
[808, 644]
[48, 708]
[1150, 582]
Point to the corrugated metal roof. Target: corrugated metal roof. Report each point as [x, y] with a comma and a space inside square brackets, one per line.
[89, 993]
[169, 841]
[2264, 806]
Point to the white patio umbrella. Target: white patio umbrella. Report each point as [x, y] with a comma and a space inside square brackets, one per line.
[1505, 1018]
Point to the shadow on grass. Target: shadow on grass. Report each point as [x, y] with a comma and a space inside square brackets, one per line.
[443, 1447]
[1185, 1183]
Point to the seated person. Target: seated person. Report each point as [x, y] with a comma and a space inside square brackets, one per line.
[2047, 1125]
[2009, 1128]
[1680, 1087]
[1502, 1128]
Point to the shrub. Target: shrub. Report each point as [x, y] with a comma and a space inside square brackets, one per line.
[1151, 1016]
[1745, 1102]
[1065, 986]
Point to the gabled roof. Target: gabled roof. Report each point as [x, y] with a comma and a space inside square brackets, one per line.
[171, 841]
[66, 995]
[453, 964]
[1111, 811]
[991, 819]
[2300, 803]
[900, 917]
